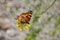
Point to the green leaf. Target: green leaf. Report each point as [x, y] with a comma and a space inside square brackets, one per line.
[49, 19]
[35, 18]
[31, 36]
[57, 22]
[53, 32]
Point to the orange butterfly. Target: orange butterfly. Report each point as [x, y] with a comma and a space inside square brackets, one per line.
[24, 17]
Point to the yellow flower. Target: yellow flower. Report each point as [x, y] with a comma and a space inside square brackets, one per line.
[22, 26]
[21, 30]
[17, 21]
[26, 26]
[17, 26]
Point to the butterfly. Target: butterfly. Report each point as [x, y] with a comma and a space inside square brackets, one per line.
[24, 17]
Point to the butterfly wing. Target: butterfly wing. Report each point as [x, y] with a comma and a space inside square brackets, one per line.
[25, 17]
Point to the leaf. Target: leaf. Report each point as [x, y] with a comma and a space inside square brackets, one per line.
[57, 22]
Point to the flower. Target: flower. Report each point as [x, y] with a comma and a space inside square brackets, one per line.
[22, 26]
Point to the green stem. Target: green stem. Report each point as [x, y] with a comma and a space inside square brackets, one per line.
[48, 7]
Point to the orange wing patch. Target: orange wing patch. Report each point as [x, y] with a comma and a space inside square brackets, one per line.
[25, 17]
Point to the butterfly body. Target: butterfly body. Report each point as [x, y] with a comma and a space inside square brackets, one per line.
[25, 17]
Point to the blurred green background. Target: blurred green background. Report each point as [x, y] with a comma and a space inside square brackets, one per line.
[45, 20]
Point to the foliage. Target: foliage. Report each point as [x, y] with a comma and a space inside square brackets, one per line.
[37, 14]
